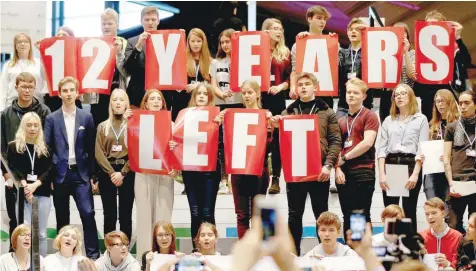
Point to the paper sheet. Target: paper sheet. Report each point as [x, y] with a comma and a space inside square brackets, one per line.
[432, 150]
[397, 177]
[464, 188]
[430, 262]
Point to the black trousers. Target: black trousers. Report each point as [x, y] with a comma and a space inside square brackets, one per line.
[297, 194]
[385, 104]
[356, 193]
[276, 155]
[109, 193]
[458, 206]
[10, 200]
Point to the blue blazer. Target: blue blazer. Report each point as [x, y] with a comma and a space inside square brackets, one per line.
[84, 137]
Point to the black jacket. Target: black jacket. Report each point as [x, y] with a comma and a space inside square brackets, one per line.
[465, 247]
[134, 64]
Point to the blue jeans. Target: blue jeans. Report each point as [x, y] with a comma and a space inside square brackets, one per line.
[44, 207]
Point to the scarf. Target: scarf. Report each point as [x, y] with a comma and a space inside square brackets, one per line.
[460, 137]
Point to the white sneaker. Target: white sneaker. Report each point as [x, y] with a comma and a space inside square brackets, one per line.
[223, 189]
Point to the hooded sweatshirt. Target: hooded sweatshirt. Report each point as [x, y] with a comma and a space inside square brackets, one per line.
[341, 251]
[128, 264]
[446, 242]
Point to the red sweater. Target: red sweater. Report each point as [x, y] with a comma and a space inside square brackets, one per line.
[449, 244]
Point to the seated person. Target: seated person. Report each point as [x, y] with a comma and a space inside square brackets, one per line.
[329, 226]
[467, 246]
[117, 256]
[163, 242]
[391, 211]
[440, 238]
[206, 240]
[69, 243]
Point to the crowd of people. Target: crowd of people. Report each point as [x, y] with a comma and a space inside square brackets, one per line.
[50, 146]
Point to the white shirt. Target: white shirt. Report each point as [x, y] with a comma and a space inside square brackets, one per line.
[8, 93]
[69, 123]
[56, 262]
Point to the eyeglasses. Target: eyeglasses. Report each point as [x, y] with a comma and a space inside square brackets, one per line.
[119, 245]
[440, 102]
[401, 94]
[164, 236]
[24, 234]
[277, 29]
[26, 88]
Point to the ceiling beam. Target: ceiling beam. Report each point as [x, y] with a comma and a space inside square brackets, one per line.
[467, 18]
[358, 7]
[423, 6]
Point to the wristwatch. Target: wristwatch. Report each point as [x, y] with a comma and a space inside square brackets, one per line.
[123, 174]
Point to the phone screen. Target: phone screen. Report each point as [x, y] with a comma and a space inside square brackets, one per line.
[357, 226]
[268, 217]
[189, 264]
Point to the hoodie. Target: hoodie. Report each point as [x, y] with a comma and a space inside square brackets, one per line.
[128, 264]
[342, 250]
[447, 243]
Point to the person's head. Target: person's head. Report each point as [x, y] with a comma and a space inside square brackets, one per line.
[206, 239]
[109, 22]
[444, 107]
[356, 92]
[403, 97]
[164, 237]
[197, 46]
[251, 94]
[25, 84]
[435, 16]
[68, 90]
[406, 29]
[306, 86]
[328, 225]
[224, 43]
[117, 244]
[149, 18]
[435, 212]
[276, 33]
[471, 228]
[354, 30]
[69, 240]
[467, 103]
[22, 43]
[31, 131]
[202, 95]
[392, 211]
[64, 32]
[316, 17]
[153, 100]
[119, 102]
[21, 237]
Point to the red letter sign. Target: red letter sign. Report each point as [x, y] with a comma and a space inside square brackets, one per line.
[166, 62]
[250, 59]
[300, 148]
[435, 48]
[319, 55]
[197, 135]
[149, 148]
[382, 56]
[245, 141]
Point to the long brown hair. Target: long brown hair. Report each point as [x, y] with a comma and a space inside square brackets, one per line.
[255, 86]
[204, 59]
[452, 113]
[412, 102]
[168, 228]
[406, 29]
[16, 56]
[225, 33]
[146, 97]
[210, 94]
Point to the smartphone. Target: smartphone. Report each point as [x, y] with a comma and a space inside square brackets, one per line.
[190, 263]
[357, 225]
[267, 209]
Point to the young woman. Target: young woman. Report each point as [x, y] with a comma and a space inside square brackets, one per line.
[400, 137]
[19, 259]
[201, 187]
[206, 240]
[30, 162]
[163, 242]
[117, 257]
[22, 61]
[198, 68]
[69, 243]
[155, 192]
[445, 111]
[115, 175]
[275, 99]
[246, 187]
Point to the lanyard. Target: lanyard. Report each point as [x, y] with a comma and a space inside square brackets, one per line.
[440, 132]
[353, 59]
[120, 132]
[32, 159]
[467, 136]
[312, 109]
[197, 70]
[18, 114]
[349, 129]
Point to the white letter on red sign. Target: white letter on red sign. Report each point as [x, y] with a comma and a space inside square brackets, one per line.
[192, 137]
[432, 52]
[317, 48]
[165, 55]
[299, 129]
[241, 138]
[247, 59]
[377, 54]
[146, 144]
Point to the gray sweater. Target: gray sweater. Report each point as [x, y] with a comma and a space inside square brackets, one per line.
[128, 264]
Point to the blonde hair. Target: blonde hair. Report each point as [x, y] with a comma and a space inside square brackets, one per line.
[358, 83]
[108, 122]
[77, 250]
[436, 203]
[392, 211]
[20, 229]
[255, 86]
[354, 21]
[412, 102]
[68, 79]
[329, 219]
[25, 77]
[307, 75]
[149, 10]
[109, 13]
[281, 52]
[204, 59]
[16, 56]
[20, 136]
[434, 14]
[115, 234]
[204, 225]
[452, 113]
[210, 94]
[317, 10]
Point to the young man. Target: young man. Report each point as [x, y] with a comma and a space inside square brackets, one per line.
[440, 238]
[134, 62]
[460, 157]
[70, 134]
[391, 211]
[25, 85]
[330, 147]
[355, 172]
[467, 246]
[329, 226]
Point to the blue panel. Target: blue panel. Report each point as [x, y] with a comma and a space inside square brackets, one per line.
[231, 233]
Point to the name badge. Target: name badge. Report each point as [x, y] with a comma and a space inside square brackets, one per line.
[31, 178]
[351, 75]
[348, 144]
[400, 147]
[458, 82]
[116, 147]
[471, 153]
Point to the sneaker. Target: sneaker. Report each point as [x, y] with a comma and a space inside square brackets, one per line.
[274, 189]
[184, 192]
[223, 189]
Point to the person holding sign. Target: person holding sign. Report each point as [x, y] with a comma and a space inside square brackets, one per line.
[330, 147]
[155, 198]
[115, 176]
[399, 144]
[460, 158]
[30, 162]
[275, 100]
[19, 259]
[69, 243]
[355, 172]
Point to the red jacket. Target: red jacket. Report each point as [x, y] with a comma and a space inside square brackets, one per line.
[449, 244]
